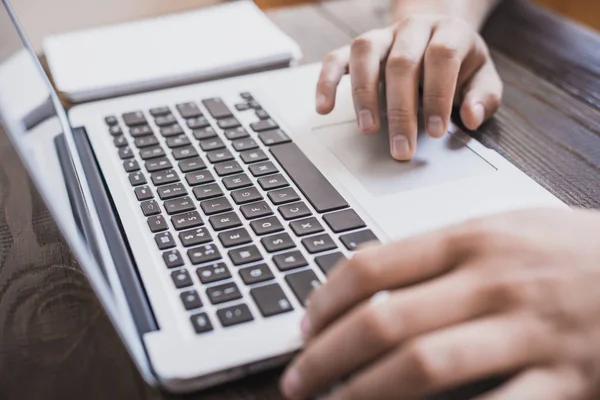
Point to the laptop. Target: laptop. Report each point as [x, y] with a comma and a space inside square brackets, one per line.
[204, 215]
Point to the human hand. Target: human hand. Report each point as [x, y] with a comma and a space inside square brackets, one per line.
[444, 52]
[515, 295]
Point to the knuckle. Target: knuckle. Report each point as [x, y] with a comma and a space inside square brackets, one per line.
[399, 116]
[362, 44]
[363, 92]
[443, 51]
[423, 363]
[376, 327]
[402, 63]
[363, 270]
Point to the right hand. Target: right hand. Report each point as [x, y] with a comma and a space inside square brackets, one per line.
[444, 52]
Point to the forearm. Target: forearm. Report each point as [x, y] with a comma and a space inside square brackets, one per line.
[473, 11]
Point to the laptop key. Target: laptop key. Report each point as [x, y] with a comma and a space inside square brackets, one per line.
[204, 254]
[282, 196]
[186, 220]
[115, 130]
[235, 237]
[242, 106]
[137, 178]
[164, 241]
[225, 221]
[272, 182]
[213, 273]
[256, 274]
[234, 315]
[164, 177]
[194, 237]
[291, 260]
[262, 114]
[125, 153]
[304, 227]
[245, 255]
[228, 168]
[158, 164]
[244, 144]
[206, 192]
[173, 259]
[140, 131]
[201, 323]
[179, 205]
[165, 120]
[204, 133]
[223, 293]
[216, 206]
[345, 220]
[254, 104]
[131, 166]
[145, 141]
[256, 210]
[170, 131]
[199, 178]
[264, 125]
[152, 152]
[262, 169]
[252, 156]
[228, 123]
[143, 193]
[246, 95]
[355, 239]
[216, 108]
[190, 299]
[319, 243]
[111, 120]
[273, 137]
[177, 141]
[158, 111]
[120, 141]
[157, 224]
[211, 144]
[279, 242]
[197, 123]
[243, 196]
[181, 153]
[294, 210]
[266, 226]
[236, 181]
[217, 156]
[150, 208]
[236, 133]
[271, 300]
[134, 118]
[191, 164]
[189, 110]
[171, 191]
[302, 283]
[181, 278]
[328, 261]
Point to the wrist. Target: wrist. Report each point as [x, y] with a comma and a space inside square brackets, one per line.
[473, 11]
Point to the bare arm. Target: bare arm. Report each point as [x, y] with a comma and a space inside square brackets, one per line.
[473, 11]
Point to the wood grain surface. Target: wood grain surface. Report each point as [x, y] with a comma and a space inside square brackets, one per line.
[55, 340]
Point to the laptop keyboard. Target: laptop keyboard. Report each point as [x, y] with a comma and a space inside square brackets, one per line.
[211, 179]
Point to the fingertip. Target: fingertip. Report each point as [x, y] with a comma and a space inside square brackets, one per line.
[323, 104]
[436, 128]
[472, 115]
[401, 148]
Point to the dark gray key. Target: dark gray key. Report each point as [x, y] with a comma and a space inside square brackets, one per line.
[304, 227]
[186, 220]
[140, 131]
[228, 168]
[164, 177]
[165, 120]
[264, 125]
[182, 204]
[146, 141]
[317, 189]
[271, 138]
[253, 156]
[171, 191]
[262, 114]
[125, 153]
[216, 206]
[216, 108]
[158, 164]
[190, 299]
[194, 237]
[143, 193]
[263, 168]
[266, 226]
[235, 237]
[234, 315]
[223, 293]
[111, 120]
[272, 182]
[294, 210]
[244, 144]
[345, 220]
[328, 261]
[158, 111]
[244, 196]
[302, 283]
[236, 181]
[115, 130]
[191, 164]
[131, 166]
[197, 123]
[204, 133]
[120, 141]
[164, 241]
[181, 278]
[355, 239]
[218, 156]
[157, 223]
[203, 254]
[283, 196]
[206, 192]
[271, 300]
[256, 210]
[236, 133]
[211, 144]
[213, 273]
[181, 153]
[256, 274]
[152, 152]
[173, 259]
[242, 106]
[201, 323]
[291, 260]
[137, 178]
[254, 104]
[246, 96]
[150, 208]
[319, 243]
[245, 255]
[171, 131]
[228, 123]
[134, 118]
[199, 178]
[188, 110]
[279, 242]
[177, 141]
[225, 221]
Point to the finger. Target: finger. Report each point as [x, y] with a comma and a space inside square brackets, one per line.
[402, 73]
[380, 324]
[365, 62]
[334, 67]
[483, 94]
[451, 43]
[454, 356]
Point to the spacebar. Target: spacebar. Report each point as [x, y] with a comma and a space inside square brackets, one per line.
[317, 189]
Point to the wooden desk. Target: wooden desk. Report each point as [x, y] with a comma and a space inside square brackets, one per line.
[56, 342]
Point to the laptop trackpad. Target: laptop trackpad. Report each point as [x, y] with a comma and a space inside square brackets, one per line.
[368, 158]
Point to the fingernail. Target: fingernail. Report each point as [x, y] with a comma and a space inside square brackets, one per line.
[291, 384]
[479, 113]
[305, 326]
[435, 126]
[321, 100]
[400, 147]
[365, 121]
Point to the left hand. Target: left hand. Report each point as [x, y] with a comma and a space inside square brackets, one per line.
[515, 295]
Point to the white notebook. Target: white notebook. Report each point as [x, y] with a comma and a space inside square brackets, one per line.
[227, 39]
